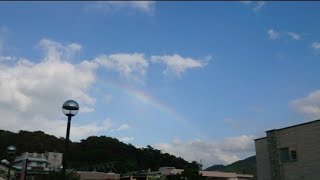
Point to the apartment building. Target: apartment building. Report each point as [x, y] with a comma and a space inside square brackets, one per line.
[290, 153]
[54, 160]
[36, 162]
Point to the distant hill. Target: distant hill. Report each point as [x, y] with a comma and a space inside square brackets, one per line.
[93, 153]
[246, 166]
[216, 168]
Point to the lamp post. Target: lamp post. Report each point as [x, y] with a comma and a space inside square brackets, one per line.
[70, 108]
[11, 152]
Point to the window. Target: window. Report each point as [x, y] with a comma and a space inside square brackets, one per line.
[293, 155]
[288, 154]
[284, 154]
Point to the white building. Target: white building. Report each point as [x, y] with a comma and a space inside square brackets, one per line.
[36, 162]
[54, 160]
[49, 161]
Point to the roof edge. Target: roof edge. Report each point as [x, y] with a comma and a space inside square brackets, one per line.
[260, 138]
[301, 124]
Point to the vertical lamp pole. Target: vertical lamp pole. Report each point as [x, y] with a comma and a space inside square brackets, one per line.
[11, 151]
[70, 108]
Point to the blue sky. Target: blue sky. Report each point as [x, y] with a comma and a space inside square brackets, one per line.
[199, 80]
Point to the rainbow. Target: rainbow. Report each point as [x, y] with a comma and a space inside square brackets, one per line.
[148, 99]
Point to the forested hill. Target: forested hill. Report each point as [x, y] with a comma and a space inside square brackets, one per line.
[246, 166]
[94, 153]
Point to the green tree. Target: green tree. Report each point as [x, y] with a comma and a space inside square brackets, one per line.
[191, 171]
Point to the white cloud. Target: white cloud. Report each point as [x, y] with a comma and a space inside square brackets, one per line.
[145, 6]
[309, 106]
[7, 58]
[115, 6]
[176, 64]
[77, 131]
[126, 139]
[25, 84]
[131, 66]
[259, 5]
[224, 151]
[256, 5]
[294, 36]
[246, 2]
[32, 93]
[83, 131]
[56, 51]
[134, 66]
[273, 34]
[86, 110]
[315, 45]
[122, 127]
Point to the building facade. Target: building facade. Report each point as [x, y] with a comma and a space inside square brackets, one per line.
[33, 164]
[36, 162]
[290, 153]
[54, 160]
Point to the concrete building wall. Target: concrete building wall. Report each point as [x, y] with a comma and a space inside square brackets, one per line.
[302, 140]
[262, 159]
[54, 160]
[305, 140]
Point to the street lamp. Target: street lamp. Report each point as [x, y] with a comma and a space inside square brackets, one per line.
[11, 152]
[70, 108]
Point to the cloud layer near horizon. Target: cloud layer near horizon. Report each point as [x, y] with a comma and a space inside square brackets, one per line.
[223, 151]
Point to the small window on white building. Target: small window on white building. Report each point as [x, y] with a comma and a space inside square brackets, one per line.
[284, 154]
[293, 155]
[288, 154]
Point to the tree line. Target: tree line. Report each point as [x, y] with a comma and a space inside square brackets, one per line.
[94, 153]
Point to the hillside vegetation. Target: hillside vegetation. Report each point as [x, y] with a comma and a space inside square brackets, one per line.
[93, 153]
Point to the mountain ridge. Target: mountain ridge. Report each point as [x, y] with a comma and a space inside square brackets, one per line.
[245, 166]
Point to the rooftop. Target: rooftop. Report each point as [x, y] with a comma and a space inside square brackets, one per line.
[293, 126]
